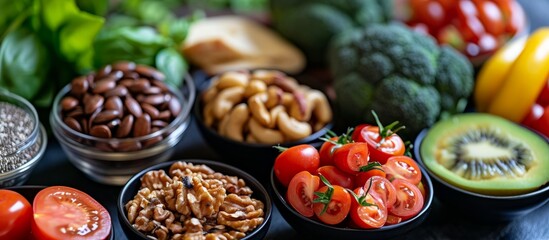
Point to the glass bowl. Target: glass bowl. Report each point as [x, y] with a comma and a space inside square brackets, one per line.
[27, 153]
[133, 185]
[98, 157]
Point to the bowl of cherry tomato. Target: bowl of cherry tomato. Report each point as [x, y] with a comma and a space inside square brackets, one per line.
[360, 184]
[39, 212]
[475, 28]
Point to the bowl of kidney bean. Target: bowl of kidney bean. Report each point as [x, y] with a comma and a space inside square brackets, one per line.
[121, 119]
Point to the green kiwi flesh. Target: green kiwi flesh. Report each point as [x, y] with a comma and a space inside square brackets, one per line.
[486, 154]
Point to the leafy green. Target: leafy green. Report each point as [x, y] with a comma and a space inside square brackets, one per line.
[96, 7]
[172, 64]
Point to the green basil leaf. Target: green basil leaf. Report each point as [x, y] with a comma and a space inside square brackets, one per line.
[96, 7]
[55, 12]
[13, 14]
[23, 63]
[76, 38]
[176, 30]
[170, 62]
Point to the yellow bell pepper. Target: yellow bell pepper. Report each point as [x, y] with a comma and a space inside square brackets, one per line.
[515, 85]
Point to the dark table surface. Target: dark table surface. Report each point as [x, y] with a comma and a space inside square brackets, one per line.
[55, 169]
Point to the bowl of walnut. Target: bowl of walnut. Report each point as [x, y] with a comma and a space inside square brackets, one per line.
[194, 199]
[243, 114]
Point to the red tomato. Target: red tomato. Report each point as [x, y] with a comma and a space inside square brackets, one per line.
[350, 157]
[336, 176]
[468, 23]
[409, 199]
[392, 220]
[535, 113]
[542, 124]
[362, 177]
[383, 189]
[357, 132]
[402, 167]
[381, 148]
[67, 213]
[513, 15]
[543, 97]
[326, 152]
[338, 205]
[295, 159]
[301, 192]
[491, 16]
[429, 12]
[368, 216]
[15, 215]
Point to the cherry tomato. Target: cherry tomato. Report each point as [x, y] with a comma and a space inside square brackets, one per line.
[338, 205]
[543, 97]
[392, 220]
[368, 216]
[383, 189]
[402, 167]
[15, 215]
[351, 156]
[491, 16]
[513, 15]
[429, 12]
[357, 132]
[67, 213]
[336, 176]
[326, 151]
[535, 113]
[409, 199]
[301, 192]
[362, 177]
[468, 23]
[295, 159]
[381, 148]
[542, 124]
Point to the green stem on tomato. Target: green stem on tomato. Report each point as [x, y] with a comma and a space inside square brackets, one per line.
[386, 131]
[362, 199]
[371, 166]
[280, 148]
[324, 197]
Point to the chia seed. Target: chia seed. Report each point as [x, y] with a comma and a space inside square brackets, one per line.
[16, 125]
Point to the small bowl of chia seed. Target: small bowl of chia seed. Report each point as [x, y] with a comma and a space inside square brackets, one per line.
[23, 139]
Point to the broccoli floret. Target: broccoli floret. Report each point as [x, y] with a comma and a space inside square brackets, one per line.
[414, 105]
[453, 80]
[310, 24]
[406, 75]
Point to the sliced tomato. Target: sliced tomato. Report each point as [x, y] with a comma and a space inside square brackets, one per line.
[383, 189]
[402, 167]
[295, 159]
[301, 192]
[15, 215]
[351, 156]
[336, 208]
[381, 148]
[326, 151]
[67, 213]
[392, 219]
[364, 175]
[373, 216]
[409, 199]
[336, 176]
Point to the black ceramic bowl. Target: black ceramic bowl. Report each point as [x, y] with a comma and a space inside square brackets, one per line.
[132, 186]
[482, 207]
[29, 192]
[254, 158]
[312, 228]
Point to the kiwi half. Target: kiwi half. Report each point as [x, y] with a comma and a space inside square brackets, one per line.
[486, 154]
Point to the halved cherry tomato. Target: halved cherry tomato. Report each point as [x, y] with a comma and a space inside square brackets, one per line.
[338, 205]
[300, 192]
[409, 199]
[373, 216]
[15, 215]
[357, 132]
[67, 213]
[295, 159]
[383, 189]
[336, 176]
[326, 152]
[402, 167]
[363, 176]
[392, 219]
[381, 148]
[351, 156]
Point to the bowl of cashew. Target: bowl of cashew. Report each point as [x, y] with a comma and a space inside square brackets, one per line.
[243, 114]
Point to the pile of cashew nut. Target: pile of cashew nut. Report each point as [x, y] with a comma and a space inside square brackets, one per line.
[264, 106]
